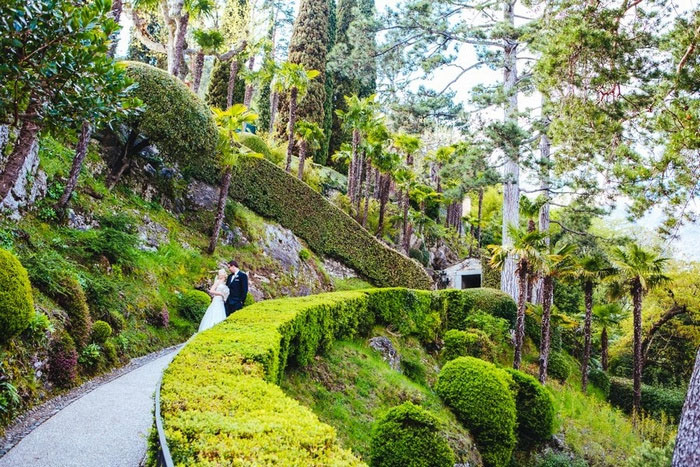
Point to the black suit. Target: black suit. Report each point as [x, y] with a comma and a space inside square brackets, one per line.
[238, 290]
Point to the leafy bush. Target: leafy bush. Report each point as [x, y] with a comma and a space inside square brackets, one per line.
[117, 246]
[655, 400]
[463, 303]
[72, 299]
[256, 144]
[63, 361]
[117, 321]
[556, 459]
[650, 455]
[558, 366]
[413, 368]
[249, 300]
[110, 350]
[101, 331]
[304, 254]
[471, 343]
[192, 305]
[495, 328]
[38, 329]
[479, 393]
[599, 379]
[238, 363]
[273, 193]
[16, 302]
[90, 356]
[535, 409]
[409, 436]
[176, 120]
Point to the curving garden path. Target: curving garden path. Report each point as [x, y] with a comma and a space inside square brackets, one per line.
[108, 426]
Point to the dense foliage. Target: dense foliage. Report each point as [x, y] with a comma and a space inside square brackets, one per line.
[409, 435]
[655, 400]
[471, 343]
[16, 302]
[535, 409]
[273, 193]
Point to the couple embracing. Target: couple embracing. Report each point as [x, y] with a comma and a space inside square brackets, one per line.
[229, 292]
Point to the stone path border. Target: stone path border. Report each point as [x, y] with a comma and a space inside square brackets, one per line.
[33, 418]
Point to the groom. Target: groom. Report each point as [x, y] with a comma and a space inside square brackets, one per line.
[237, 283]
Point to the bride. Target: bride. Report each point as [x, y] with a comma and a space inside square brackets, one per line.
[216, 311]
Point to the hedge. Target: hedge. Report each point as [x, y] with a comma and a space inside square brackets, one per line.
[462, 303]
[273, 193]
[219, 399]
[471, 343]
[480, 395]
[535, 409]
[655, 400]
[16, 302]
[410, 436]
[176, 120]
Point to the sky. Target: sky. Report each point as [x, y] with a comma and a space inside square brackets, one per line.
[686, 247]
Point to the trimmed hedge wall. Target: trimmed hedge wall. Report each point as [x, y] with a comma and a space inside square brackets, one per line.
[273, 193]
[654, 399]
[219, 400]
[463, 302]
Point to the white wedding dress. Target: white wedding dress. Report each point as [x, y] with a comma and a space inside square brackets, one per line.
[216, 312]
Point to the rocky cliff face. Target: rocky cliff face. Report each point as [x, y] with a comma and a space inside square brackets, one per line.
[30, 186]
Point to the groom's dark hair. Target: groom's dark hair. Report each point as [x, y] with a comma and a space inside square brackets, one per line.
[233, 262]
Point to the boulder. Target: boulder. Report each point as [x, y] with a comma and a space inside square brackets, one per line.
[151, 234]
[384, 346]
[338, 270]
[202, 196]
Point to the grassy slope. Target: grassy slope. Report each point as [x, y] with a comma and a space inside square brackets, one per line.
[352, 386]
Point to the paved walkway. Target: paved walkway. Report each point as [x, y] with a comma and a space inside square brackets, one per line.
[106, 427]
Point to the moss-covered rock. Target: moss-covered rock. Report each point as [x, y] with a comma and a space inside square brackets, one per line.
[409, 436]
[176, 120]
[480, 394]
[535, 409]
[16, 302]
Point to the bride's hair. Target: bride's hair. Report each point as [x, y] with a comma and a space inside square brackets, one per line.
[221, 274]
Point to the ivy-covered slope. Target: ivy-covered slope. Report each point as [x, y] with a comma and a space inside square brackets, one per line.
[271, 192]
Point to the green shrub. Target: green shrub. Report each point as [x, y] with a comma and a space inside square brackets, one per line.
[495, 328]
[110, 350]
[176, 120]
[192, 305]
[413, 368]
[480, 394]
[463, 303]
[556, 459]
[273, 193]
[471, 343]
[558, 366]
[90, 356]
[649, 455]
[62, 361]
[101, 331]
[599, 379]
[218, 85]
[410, 310]
[38, 329]
[16, 302]
[304, 254]
[117, 246]
[256, 144]
[409, 436]
[249, 300]
[535, 409]
[116, 320]
[655, 400]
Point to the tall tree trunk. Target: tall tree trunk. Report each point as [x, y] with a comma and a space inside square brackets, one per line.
[232, 74]
[274, 101]
[511, 175]
[116, 14]
[28, 136]
[368, 180]
[604, 349]
[249, 88]
[637, 317]
[545, 336]
[353, 164]
[220, 210]
[197, 71]
[303, 148]
[405, 236]
[291, 126]
[80, 153]
[520, 320]
[179, 49]
[479, 214]
[545, 150]
[588, 303]
[359, 176]
[687, 451]
[385, 188]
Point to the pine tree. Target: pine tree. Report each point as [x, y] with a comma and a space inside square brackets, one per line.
[308, 47]
[218, 86]
[323, 153]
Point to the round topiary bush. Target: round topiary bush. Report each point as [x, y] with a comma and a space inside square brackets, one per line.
[175, 120]
[480, 394]
[535, 409]
[470, 343]
[63, 361]
[558, 366]
[192, 305]
[409, 436]
[16, 302]
[101, 331]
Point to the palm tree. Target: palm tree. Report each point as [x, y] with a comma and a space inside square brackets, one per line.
[635, 272]
[556, 262]
[590, 270]
[407, 145]
[606, 316]
[527, 248]
[231, 123]
[209, 41]
[294, 78]
[530, 210]
[310, 136]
